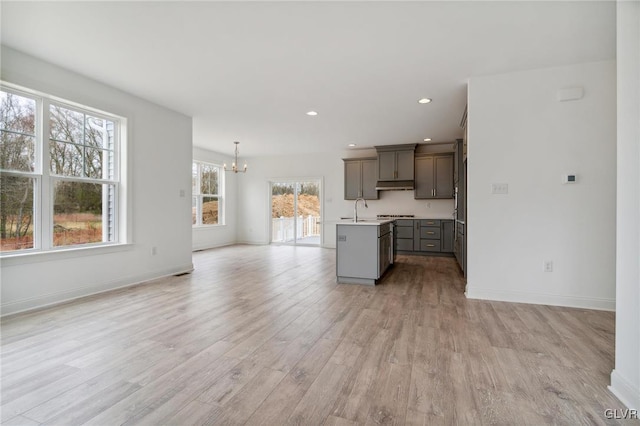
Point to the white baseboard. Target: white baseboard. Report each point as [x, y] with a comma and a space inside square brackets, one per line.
[541, 299]
[211, 246]
[627, 393]
[253, 243]
[57, 298]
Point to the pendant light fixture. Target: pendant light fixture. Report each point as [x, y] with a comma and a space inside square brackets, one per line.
[234, 165]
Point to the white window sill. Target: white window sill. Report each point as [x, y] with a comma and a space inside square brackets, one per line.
[16, 258]
[207, 226]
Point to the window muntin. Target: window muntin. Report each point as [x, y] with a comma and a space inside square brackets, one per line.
[207, 187]
[72, 202]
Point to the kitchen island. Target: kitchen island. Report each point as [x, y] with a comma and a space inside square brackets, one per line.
[364, 250]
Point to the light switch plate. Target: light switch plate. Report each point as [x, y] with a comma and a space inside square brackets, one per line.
[500, 188]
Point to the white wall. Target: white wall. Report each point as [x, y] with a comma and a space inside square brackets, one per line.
[521, 135]
[253, 195]
[205, 237]
[625, 379]
[159, 168]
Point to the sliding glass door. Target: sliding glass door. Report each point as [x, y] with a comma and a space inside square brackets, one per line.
[295, 212]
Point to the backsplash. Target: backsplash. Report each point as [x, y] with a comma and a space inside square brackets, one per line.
[400, 202]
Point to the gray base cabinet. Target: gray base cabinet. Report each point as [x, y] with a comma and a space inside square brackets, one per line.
[459, 247]
[424, 236]
[447, 236]
[363, 252]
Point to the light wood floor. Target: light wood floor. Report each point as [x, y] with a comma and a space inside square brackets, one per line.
[264, 335]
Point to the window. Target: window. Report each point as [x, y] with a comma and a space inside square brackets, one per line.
[208, 191]
[59, 173]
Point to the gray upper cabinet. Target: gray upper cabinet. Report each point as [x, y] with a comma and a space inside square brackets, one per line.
[369, 179]
[424, 178]
[360, 179]
[387, 165]
[434, 176]
[395, 162]
[444, 176]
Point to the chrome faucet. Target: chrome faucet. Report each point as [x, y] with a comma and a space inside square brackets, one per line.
[355, 208]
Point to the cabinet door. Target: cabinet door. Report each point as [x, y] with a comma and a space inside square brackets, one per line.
[384, 250]
[387, 165]
[352, 180]
[404, 244]
[443, 176]
[404, 165]
[416, 235]
[447, 236]
[369, 180]
[424, 177]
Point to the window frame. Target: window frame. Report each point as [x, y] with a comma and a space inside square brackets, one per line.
[45, 179]
[198, 196]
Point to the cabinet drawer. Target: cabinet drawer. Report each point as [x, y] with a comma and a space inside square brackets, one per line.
[429, 245]
[429, 222]
[404, 222]
[404, 231]
[404, 244]
[430, 232]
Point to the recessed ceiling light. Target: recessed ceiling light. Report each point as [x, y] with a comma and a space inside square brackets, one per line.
[427, 139]
[424, 101]
[312, 113]
[351, 145]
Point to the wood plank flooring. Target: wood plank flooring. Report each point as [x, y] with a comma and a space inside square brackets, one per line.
[262, 335]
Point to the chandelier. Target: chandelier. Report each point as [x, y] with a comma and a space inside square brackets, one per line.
[234, 165]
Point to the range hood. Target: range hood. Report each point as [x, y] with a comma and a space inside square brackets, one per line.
[394, 185]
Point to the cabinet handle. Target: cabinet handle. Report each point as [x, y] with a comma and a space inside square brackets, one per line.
[430, 233]
[431, 245]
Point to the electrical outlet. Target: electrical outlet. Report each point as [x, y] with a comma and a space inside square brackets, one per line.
[548, 266]
[154, 250]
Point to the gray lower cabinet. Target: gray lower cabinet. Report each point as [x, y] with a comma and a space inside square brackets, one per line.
[447, 236]
[404, 235]
[360, 176]
[433, 176]
[424, 236]
[459, 247]
[363, 252]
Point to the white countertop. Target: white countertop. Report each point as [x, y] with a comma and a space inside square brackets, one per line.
[439, 217]
[364, 221]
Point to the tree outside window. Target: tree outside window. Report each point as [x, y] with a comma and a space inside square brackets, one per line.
[75, 194]
[207, 189]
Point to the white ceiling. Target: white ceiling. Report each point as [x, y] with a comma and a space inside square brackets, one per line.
[249, 71]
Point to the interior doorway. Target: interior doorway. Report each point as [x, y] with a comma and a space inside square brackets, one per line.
[296, 214]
